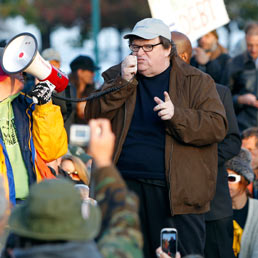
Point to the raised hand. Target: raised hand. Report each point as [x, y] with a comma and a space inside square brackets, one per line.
[165, 108]
[129, 67]
[102, 141]
[42, 92]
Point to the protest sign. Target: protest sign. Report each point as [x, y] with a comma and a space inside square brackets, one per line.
[191, 17]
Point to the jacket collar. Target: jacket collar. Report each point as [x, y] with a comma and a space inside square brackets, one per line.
[181, 67]
[247, 57]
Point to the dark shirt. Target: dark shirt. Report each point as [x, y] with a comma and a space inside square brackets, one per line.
[215, 68]
[143, 154]
[240, 215]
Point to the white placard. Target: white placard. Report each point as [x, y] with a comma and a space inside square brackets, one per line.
[191, 17]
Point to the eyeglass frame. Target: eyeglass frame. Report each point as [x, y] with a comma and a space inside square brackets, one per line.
[143, 46]
[237, 178]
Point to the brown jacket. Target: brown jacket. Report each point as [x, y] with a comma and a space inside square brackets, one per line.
[199, 122]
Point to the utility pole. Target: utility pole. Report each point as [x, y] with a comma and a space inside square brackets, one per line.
[95, 21]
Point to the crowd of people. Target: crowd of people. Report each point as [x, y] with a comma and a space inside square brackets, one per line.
[173, 144]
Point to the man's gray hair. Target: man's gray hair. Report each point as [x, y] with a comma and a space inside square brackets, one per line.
[251, 28]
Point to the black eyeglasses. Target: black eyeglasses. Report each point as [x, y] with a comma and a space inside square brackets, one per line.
[232, 178]
[145, 48]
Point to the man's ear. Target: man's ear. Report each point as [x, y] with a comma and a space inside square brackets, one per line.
[168, 51]
[184, 56]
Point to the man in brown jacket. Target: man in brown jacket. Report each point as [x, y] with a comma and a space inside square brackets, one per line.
[167, 118]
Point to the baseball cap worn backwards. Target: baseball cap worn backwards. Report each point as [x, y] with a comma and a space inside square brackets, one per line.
[150, 28]
[54, 211]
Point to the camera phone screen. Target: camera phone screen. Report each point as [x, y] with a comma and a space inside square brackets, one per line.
[169, 243]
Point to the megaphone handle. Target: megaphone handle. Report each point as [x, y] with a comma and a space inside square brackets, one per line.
[57, 78]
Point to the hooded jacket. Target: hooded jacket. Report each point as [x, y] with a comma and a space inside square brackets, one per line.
[41, 136]
[192, 134]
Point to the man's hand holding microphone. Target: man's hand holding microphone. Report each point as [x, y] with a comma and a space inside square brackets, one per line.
[129, 67]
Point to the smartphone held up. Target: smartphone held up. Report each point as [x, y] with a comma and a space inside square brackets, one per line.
[169, 241]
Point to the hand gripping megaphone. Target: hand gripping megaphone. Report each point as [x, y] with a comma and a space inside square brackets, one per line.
[21, 55]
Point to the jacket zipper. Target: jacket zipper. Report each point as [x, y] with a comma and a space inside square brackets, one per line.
[119, 147]
[169, 184]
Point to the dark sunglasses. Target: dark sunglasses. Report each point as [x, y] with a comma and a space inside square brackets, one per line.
[232, 178]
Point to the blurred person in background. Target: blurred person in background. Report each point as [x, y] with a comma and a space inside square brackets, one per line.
[54, 222]
[240, 174]
[53, 56]
[219, 222]
[210, 56]
[82, 77]
[250, 142]
[76, 169]
[242, 78]
[80, 153]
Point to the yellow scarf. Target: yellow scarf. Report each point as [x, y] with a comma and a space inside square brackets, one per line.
[238, 231]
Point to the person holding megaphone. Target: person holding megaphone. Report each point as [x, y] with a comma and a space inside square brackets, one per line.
[31, 128]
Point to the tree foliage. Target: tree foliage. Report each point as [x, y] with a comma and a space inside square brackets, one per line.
[242, 11]
[48, 15]
[123, 14]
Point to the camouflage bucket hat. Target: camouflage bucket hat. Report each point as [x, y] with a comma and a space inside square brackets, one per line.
[54, 211]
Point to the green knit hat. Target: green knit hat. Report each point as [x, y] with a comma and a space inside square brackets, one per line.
[54, 211]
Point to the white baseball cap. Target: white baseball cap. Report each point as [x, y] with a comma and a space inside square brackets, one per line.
[51, 54]
[150, 28]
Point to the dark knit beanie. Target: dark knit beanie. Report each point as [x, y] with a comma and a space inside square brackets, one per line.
[241, 164]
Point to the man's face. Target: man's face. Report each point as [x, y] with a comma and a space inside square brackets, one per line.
[55, 63]
[154, 62]
[16, 83]
[236, 189]
[250, 144]
[207, 41]
[252, 45]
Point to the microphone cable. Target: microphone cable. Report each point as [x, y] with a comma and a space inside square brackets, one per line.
[93, 95]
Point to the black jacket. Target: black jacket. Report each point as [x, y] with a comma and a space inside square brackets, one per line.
[221, 205]
[215, 67]
[242, 77]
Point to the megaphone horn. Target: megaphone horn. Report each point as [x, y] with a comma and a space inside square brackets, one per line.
[21, 55]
